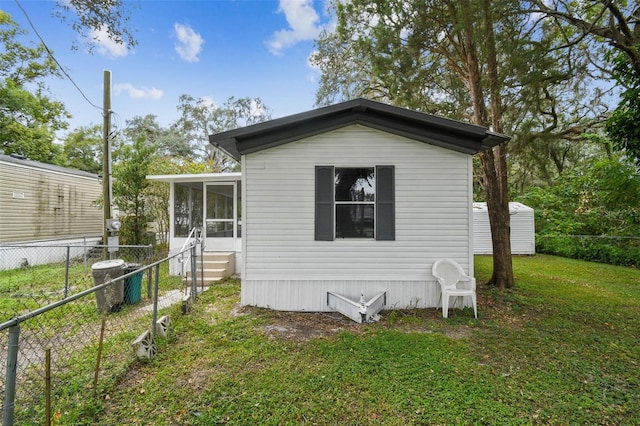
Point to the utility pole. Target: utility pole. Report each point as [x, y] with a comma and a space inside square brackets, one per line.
[106, 156]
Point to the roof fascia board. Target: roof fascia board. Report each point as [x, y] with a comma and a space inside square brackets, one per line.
[430, 135]
[439, 131]
[202, 177]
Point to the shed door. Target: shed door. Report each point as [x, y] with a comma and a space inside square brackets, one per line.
[221, 215]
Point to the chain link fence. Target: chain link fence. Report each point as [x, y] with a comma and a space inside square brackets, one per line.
[71, 328]
[35, 275]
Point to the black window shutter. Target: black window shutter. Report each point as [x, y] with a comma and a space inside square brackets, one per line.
[385, 203]
[324, 203]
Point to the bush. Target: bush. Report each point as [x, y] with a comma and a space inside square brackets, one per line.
[603, 249]
[592, 214]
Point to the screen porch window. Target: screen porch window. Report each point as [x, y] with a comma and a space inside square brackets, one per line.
[220, 220]
[187, 208]
[355, 202]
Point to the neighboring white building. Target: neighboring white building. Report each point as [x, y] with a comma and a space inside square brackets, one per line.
[355, 197]
[523, 233]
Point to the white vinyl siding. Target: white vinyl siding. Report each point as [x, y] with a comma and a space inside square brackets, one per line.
[432, 211]
[522, 224]
[38, 204]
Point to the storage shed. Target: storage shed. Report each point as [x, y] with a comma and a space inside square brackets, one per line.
[523, 236]
[40, 201]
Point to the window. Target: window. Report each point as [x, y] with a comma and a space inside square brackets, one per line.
[355, 203]
[219, 218]
[187, 208]
[355, 196]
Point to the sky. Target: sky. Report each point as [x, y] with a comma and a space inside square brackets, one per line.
[211, 49]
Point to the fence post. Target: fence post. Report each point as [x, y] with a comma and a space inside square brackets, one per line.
[202, 245]
[47, 387]
[201, 269]
[150, 254]
[66, 273]
[194, 275]
[11, 373]
[99, 356]
[155, 304]
[84, 254]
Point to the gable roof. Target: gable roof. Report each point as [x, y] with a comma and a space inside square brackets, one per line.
[428, 128]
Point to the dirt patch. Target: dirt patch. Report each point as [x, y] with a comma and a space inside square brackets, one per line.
[301, 326]
[238, 310]
[458, 332]
[304, 326]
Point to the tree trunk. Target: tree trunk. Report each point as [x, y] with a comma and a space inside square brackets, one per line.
[498, 201]
[494, 170]
[499, 219]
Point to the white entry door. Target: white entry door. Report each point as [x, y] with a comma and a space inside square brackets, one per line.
[221, 215]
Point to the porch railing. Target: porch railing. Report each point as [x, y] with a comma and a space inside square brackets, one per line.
[194, 239]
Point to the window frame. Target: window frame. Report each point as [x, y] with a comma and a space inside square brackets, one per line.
[362, 203]
[187, 211]
[384, 204]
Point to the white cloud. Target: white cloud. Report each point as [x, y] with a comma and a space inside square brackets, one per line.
[138, 92]
[189, 43]
[105, 45]
[303, 23]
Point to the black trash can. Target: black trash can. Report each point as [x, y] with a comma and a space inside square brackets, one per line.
[109, 298]
[132, 284]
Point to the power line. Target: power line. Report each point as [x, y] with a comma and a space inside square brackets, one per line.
[53, 57]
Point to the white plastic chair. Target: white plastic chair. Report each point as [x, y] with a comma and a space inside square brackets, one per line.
[449, 273]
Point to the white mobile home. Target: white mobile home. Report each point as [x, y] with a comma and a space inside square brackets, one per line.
[358, 197]
[523, 234]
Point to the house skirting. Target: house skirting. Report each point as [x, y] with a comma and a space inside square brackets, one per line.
[311, 295]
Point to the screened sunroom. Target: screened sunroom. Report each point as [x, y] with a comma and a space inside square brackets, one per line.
[212, 202]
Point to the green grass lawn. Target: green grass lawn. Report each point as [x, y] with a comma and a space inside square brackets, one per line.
[561, 348]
